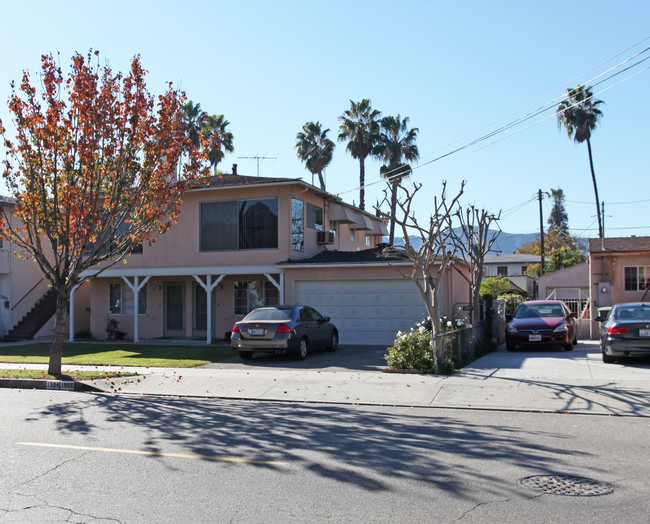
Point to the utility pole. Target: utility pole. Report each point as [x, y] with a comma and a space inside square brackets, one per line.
[602, 214]
[541, 232]
[258, 158]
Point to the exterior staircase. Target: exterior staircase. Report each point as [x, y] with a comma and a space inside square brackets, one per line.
[35, 319]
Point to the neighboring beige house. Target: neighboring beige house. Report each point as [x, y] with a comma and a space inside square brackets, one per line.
[512, 266]
[566, 284]
[248, 241]
[619, 272]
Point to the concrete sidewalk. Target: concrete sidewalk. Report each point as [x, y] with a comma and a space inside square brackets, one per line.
[546, 381]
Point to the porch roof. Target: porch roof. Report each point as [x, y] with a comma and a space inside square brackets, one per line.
[170, 271]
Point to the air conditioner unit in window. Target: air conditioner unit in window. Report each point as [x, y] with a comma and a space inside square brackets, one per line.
[324, 237]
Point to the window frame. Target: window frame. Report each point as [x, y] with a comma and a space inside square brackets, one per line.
[267, 288]
[297, 226]
[127, 298]
[237, 235]
[314, 218]
[641, 278]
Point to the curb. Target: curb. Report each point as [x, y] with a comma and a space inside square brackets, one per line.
[52, 385]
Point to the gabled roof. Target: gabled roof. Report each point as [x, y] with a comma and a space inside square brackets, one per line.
[513, 258]
[242, 180]
[619, 245]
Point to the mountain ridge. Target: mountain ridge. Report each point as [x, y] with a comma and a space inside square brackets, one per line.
[505, 244]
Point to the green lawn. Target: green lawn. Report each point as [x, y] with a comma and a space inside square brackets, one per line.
[119, 354]
[71, 375]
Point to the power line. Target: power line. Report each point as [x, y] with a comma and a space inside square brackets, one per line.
[520, 120]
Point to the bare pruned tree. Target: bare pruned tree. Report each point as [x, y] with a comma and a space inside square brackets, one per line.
[433, 258]
[473, 240]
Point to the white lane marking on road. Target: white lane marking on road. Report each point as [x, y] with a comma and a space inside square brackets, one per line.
[153, 453]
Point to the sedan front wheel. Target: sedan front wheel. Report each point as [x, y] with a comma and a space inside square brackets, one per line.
[334, 342]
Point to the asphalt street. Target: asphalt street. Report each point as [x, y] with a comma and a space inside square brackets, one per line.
[335, 438]
[84, 457]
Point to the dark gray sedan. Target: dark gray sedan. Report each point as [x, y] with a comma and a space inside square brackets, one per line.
[274, 329]
[626, 332]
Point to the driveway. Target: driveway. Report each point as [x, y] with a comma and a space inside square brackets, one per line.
[583, 363]
[552, 365]
[346, 358]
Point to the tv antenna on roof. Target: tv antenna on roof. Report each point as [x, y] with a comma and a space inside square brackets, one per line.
[258, 158]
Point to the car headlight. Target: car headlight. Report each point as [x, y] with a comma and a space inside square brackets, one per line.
[560, 329]
[511, 329]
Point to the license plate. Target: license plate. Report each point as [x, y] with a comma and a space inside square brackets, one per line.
[644, 332]
[256, 332]
[534, 338]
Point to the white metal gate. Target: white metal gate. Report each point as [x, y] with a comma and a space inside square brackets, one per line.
[577, 300]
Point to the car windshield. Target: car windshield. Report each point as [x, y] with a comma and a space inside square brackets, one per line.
[281, 315]
[539, 310]
[632, 313]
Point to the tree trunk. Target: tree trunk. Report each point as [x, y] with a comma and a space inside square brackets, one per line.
[362, 183]
[593, 178]
[60, 319]
[393, 209]
[321, 181]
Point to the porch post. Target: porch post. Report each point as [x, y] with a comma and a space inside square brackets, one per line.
[279, 287]
[136, 287]
[209, 287]
[71, 317]
[208, 327]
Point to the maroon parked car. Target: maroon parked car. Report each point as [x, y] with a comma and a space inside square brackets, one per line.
[539, 323]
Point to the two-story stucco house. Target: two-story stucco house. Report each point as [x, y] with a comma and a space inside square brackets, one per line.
[242, 242]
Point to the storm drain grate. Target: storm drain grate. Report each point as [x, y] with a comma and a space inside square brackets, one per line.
[566, 485]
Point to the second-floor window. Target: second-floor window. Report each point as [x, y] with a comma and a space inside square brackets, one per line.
[297, 225]
[239, 224]
[368, 241]
[502, 271]
[314, 217]
[637, 278]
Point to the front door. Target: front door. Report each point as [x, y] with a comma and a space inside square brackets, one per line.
[200, 315]
[174, 309]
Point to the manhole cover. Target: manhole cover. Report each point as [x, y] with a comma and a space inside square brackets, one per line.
[565, 485]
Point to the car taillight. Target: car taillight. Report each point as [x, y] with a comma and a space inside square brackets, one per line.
[617, 330]
[283, 328]
[235, 329]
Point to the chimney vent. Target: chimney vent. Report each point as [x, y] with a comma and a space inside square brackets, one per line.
[234, 169]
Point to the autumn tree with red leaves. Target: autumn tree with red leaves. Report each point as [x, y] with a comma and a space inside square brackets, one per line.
[92, 170]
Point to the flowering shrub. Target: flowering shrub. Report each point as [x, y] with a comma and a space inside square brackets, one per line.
[449, 324]
[412, 349]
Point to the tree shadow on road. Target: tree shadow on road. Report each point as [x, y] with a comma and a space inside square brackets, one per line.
[364, 447]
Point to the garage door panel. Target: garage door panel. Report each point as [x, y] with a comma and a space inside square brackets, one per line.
[365, 311]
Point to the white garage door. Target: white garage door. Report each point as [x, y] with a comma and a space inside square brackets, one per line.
[364, 311]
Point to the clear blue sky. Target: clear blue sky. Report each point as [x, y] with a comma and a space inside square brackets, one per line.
[454, 68]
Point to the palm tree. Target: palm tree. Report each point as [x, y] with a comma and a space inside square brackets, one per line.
[360, 127]
[579, 115]
[193, 120]
[217, 139]
[396, 145]
[314, 149]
